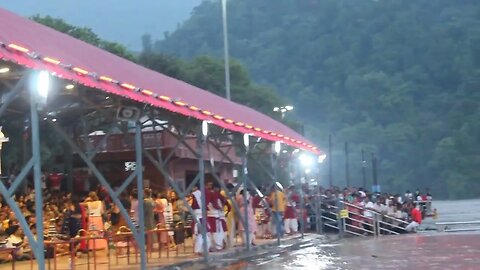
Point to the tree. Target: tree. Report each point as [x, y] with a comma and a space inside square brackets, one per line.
[397, 77]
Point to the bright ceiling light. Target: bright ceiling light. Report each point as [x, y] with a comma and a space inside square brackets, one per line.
[69, 86]
[276, 109]
[43, 84]
[322, 158]
[246, 140]
[289, 107]
[4, 70]
[278, 147]
[205, 128]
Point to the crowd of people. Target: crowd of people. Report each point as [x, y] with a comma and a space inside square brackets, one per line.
[267, 212]
[401, 213]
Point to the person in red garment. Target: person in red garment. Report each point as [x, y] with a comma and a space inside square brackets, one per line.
[198, 211]
[218, 203]
[55, 181]
[416, 217]
[291, 218]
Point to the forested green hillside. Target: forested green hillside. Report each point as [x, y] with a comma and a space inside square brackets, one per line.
[398, 78]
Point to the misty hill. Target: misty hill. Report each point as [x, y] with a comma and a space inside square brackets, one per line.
[121, 21]
[398, 78]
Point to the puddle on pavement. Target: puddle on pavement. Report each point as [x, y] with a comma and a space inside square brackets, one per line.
[433, 251]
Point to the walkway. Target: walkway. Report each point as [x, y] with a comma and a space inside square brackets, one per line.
[184, 257]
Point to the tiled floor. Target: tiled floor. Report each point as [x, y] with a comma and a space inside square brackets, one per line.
[116, 261]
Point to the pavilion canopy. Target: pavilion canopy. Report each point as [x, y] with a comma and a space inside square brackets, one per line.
[39, 47]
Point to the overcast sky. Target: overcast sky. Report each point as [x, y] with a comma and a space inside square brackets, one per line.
[124, 21]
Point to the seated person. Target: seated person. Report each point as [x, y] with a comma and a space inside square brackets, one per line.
[15, 240]
[416, 219]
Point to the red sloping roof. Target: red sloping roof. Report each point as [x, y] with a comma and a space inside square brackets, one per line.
[36, 46]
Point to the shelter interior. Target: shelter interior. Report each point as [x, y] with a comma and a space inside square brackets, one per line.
[102, 125]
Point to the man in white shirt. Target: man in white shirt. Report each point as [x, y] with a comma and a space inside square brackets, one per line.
[367, 212]
[15, 240]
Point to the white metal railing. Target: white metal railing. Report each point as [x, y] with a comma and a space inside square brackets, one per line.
[358, 224]
[454, 226]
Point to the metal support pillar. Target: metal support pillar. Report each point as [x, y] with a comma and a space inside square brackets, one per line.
[141, 212]
[302, 209]
[39, 254]
[376, 186]
[319, 214]
[201, 169]
[330, 159]
[246, 203]
[68, 161]
[276, 215]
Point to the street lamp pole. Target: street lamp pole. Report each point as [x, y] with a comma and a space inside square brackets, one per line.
[225, 49]
[364, 168]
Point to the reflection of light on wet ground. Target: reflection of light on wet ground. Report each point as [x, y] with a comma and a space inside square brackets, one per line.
[413, 251]
[310, 258]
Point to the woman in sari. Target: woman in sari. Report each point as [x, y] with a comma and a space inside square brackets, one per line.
[96, 210]
[252, 224]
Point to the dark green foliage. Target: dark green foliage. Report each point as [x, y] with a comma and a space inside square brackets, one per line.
[400, 78]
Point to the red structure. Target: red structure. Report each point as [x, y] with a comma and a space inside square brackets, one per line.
[116, 159]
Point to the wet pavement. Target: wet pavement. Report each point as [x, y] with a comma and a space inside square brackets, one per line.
[413, 251]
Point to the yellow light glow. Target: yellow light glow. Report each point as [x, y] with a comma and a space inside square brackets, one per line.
[51, 60]
[80, 70]
[18, 48]
[105, 78]
[147, 92]
[69, 86]
[128, 86]
[165, 98]
[179, 103]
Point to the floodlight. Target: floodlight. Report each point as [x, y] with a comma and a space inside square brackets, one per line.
[289, 107]
[276, 109]
[69, 86]
[43, 84]
[205, 128]
[4, 70]
[305, 160]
